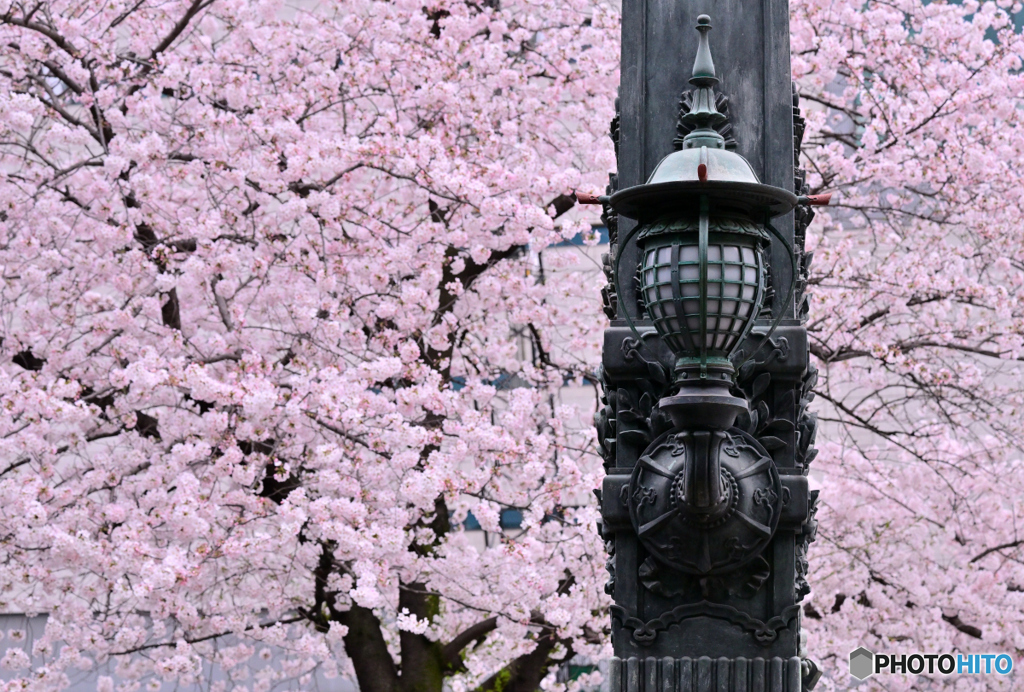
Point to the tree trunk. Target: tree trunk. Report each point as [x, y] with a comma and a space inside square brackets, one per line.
[365, 645]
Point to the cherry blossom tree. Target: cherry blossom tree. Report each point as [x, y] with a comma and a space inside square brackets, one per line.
[268, 273]
[917, 324]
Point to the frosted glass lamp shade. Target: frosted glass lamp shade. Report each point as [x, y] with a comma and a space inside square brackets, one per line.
[671, 282]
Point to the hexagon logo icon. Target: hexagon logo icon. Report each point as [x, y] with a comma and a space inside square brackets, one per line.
[862, 663]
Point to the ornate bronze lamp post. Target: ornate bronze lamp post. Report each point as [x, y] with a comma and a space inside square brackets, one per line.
[704, 499]
[706, 528]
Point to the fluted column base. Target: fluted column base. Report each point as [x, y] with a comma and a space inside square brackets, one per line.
[704, 674]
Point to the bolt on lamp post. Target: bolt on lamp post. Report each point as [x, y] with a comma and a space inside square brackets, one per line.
[704, 498]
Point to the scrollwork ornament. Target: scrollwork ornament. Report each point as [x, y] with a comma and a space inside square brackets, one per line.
[765, 632]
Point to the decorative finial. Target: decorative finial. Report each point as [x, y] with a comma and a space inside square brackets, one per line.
[703, 116]
[703, 65]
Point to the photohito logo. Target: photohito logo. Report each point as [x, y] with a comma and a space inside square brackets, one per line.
[865, 663]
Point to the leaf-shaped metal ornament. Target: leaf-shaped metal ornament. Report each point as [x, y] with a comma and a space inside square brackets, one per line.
[636, 437]
[771, 443]
[658, 372]
[780, 425]
[760, 385]
[763, 415]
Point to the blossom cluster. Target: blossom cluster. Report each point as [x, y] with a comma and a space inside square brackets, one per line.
[272, 326]
[917, 324]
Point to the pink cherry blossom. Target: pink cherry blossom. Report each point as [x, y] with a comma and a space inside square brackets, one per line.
[915, 316]
[265, 272]
[274, 323]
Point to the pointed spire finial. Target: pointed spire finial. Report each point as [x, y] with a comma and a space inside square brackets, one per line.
[703, 65]
[703, 116]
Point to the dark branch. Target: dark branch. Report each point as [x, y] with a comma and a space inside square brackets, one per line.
[195, 8]
[453, 649]
[969, 630]
[994, 549]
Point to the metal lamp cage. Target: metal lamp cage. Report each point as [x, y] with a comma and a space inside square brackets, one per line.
[702, 282]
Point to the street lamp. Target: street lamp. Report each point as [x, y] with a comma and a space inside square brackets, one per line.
[704, 519]
[704, 499]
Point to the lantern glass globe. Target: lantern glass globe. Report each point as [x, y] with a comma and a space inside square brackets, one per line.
[670, 284]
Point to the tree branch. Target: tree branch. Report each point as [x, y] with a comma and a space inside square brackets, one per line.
[222, 304]
[195, 8]
[969, 630]
[525, 673]
[475, 633]
[48, 32]
[994, 549]
[208, 637]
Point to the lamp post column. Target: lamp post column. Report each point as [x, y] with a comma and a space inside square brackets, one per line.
[705, 428]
